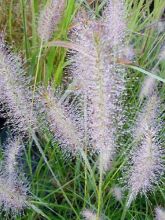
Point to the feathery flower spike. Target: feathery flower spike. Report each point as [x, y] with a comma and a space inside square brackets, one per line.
[13, 195]
[147, 165]
[147, 116]
[147, 160]
[64, 123]
[114, 19]
[101, 78]
[13, 190]
[12, 152]
[50, 18]
[15, 92]
[160, 213]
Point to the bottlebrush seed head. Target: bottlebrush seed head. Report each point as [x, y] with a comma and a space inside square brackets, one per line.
[13, 191]
[160, 213]
[147, 117]
[146, 161]
[12, 153]
[101, 82]
[147, 165]
[13, 195]
[50, 18]
[64, 123]
[15, 92]
[114, 20]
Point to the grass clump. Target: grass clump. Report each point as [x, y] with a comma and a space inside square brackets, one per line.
[88, 104]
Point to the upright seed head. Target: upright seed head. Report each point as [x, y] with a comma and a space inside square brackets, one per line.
[64, 123]
[50, 18]
[101, 78]
[13, 191]
[147, 165]
[146, 161]
[15, 94]
[12, 152]
[114, 19]
[147, 117]
[13, 195]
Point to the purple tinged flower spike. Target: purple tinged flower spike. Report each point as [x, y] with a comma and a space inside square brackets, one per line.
[13, 195]
[15, 92]
[100, 78]
[13, 191]
[114, 20]
[147, 116]
[147, 160]
[12, 152]
[147, 165]
[64, 123]
[50, 18]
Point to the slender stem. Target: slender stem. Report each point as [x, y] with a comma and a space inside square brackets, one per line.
[85, 141]
[124, 213]
[25, 29]
[37, 70]
[127, 205]
[10, 19]
[36, 75]
[51, 171]
[34, 37]
[84, 157]
[99, 207]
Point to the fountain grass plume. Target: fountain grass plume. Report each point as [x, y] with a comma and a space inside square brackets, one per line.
[13, 196]
[13, 151]
[13, 189]
[147, 116]
[15, 92]
[49, 18]
[101, 79]
[146, 165]
[63, 121]
[115, 22]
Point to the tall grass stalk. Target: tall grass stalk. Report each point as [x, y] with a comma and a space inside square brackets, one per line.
[37, 69]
